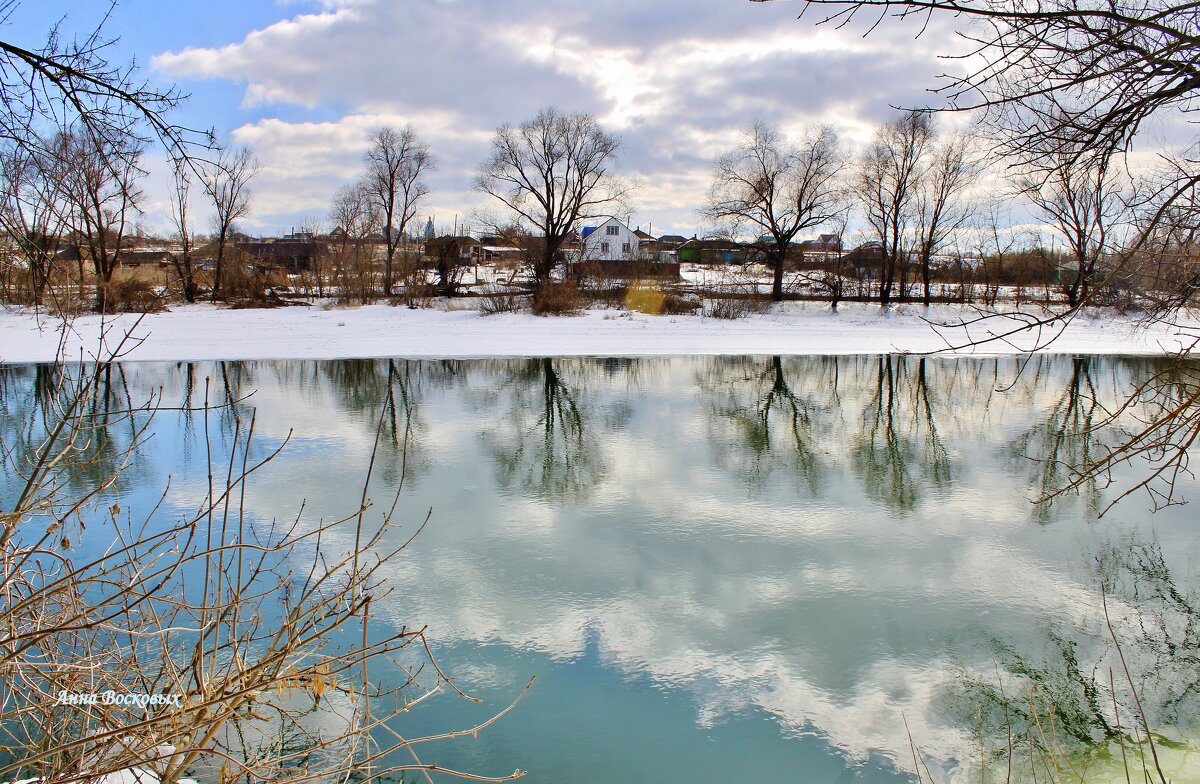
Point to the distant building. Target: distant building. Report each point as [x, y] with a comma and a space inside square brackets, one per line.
[612, 240]
[826, 243]
[451, 248]
[864, 259]
[291, 255]
[715, 251]
[138, 258]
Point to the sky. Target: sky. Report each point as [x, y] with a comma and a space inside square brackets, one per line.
[304, 83]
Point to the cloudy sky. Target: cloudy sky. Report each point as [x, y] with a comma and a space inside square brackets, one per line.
[305, 82]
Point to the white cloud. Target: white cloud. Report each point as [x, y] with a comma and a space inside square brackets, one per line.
[676, 80]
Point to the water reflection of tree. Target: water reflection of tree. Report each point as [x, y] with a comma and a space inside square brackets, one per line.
[1065, 438]
[900, 431]
[546, 444]
[34, 400]
[773, 415]
[774, 426]
[881, 454]
[362, 387]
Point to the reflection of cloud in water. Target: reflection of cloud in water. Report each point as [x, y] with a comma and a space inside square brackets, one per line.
[711, 633]
[700, 557]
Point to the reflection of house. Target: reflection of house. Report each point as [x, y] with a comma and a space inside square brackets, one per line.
[610, 241]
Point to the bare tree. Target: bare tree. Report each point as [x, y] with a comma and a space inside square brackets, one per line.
[889, 182]
[1078, 75]
[831, 277]
[995, 241]
[180, 206]
[1081, 198]
[1166, 270]
[68, 86]
[549, 173]
[397, 164]
[102, 193]
[227, 183]
[1062, 81]
[1065, 81]
[68, 82]
[32, 212]
[357, 216]
[779, 188]
[940, 209]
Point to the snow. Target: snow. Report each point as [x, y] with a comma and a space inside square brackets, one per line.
[129, 776]
[205, 332]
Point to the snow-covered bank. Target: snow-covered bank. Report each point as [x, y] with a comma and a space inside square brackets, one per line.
[202, 332]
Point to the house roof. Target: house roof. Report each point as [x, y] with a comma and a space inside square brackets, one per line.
[446, 239]
[712, 243]
[607, 220]
[282, 249]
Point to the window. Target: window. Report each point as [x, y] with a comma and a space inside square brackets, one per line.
[625, 248]
[604, 247]
[612, 231]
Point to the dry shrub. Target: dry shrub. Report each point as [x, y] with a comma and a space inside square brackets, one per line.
[414, 293]
[675, 304]
[61, 296]
[495, 300]
[247, 287]
[131, 295]
[736, 306]
[610, 295]
[16, 285]
[557, 299]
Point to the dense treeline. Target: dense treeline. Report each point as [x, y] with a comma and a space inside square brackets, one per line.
[917, 215]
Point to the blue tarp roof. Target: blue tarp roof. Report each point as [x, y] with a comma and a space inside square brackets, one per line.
[587, 230]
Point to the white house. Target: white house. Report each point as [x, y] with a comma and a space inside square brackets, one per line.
[612, 240]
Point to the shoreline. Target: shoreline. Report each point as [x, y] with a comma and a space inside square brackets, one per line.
[209, 333]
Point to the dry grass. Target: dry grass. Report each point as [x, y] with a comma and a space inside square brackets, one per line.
[651, 298]
[497, 299]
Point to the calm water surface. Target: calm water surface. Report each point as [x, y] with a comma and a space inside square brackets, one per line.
[719, 569]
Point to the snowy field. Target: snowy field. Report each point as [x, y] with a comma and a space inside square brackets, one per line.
[204, 332]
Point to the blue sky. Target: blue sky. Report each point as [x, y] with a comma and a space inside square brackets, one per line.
[304, 83]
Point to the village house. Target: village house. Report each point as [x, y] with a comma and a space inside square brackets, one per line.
[715, 251]
[612, 240]
[289, 255]
[456, 249]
